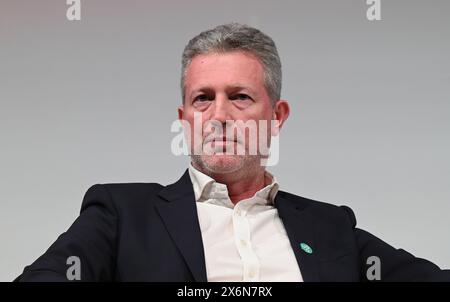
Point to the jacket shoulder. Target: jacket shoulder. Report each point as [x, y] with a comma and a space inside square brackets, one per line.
[321, 209]
[118, 195]
[133, 187]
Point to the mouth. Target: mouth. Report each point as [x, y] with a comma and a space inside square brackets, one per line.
[221, 145]
[220, 140]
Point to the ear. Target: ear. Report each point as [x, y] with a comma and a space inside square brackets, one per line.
[181, 112]
[280, 115]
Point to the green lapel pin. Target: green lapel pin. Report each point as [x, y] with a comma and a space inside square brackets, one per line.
[306, 248]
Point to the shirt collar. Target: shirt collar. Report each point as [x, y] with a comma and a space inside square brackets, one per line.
[205, 187]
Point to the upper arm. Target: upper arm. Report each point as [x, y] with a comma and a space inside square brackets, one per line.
[91, 238]
[395, 264]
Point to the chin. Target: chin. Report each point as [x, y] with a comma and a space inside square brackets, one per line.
[221, 164]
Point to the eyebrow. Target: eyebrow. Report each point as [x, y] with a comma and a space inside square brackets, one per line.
[236, 86]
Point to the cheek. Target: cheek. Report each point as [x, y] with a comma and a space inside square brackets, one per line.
[263, 122]
[257, 112]
[189, 124]
[261, 115]
[197, 122]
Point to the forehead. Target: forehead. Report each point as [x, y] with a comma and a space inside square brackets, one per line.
[222, 69]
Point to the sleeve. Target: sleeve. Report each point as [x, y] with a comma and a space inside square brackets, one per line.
[86, 251]
[395, 265]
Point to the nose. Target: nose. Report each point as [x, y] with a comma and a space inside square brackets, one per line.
[221, 109]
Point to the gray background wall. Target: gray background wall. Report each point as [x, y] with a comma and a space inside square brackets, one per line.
[92, 102]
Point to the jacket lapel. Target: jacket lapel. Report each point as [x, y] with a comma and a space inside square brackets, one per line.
[179, 214]
[299, 225]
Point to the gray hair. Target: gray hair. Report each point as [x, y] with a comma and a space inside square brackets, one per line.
[237, 37]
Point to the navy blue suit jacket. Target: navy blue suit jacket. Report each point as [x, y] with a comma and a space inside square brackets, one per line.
[151, 232]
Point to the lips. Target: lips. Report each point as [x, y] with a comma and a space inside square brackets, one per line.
[220, 140]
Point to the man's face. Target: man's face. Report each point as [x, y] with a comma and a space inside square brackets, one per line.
[226, 87]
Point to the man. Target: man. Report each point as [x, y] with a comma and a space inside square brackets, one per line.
[225, 219]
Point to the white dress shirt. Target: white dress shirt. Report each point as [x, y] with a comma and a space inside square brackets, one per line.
[246, 241]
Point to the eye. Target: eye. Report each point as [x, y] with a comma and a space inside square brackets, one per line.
[240, 97]
[201, 98]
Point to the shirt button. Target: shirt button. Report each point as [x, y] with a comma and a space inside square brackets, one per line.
[252, 274]
[243, 242]
[238, 212]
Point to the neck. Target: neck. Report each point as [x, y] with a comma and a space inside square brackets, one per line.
[241, 184]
